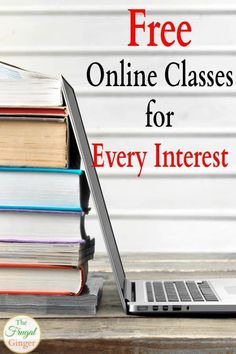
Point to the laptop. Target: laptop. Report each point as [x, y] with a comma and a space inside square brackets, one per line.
[147, 296]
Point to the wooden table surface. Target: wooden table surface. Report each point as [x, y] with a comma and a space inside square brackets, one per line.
[111, 331]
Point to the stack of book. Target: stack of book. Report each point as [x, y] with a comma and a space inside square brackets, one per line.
[44, 249]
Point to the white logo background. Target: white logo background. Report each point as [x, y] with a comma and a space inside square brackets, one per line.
[21, 334]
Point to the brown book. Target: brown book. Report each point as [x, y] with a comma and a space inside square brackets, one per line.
[41, 143]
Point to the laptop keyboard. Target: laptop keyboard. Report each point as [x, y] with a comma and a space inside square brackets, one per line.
[175, 291]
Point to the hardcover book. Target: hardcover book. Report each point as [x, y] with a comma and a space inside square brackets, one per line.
[51, 305]
[41, 224]
[47, 280]
[43, 187]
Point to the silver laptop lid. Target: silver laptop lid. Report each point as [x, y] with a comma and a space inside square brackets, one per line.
[84, 150]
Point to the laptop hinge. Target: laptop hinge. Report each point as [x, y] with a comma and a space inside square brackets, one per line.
[130, 290]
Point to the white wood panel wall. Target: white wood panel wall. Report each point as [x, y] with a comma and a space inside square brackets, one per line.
[162, 211]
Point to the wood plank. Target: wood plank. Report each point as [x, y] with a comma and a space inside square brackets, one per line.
[139, 335]
[168, 262]
[168, 143]
[15, 29]
[111, 330]
[167, 234]
[74, 60]
[215, 194]
[133, 346]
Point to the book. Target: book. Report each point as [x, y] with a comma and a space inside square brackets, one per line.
[33, 112]
[47, 187]
[84, 304]
[49, 280]
[49, 254]
[40, 143]
[61, 225]
[44, 249]
[22, 88]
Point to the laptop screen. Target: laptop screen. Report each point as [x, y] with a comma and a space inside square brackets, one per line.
[84, 150]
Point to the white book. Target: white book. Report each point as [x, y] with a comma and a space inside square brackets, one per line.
[41, 226]
[42, 280]
[43, 187]
[22, 88]
[54, 254]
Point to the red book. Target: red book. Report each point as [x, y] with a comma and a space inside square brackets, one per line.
[34, 111]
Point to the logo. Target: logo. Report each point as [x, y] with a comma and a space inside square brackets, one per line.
[21, 334]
